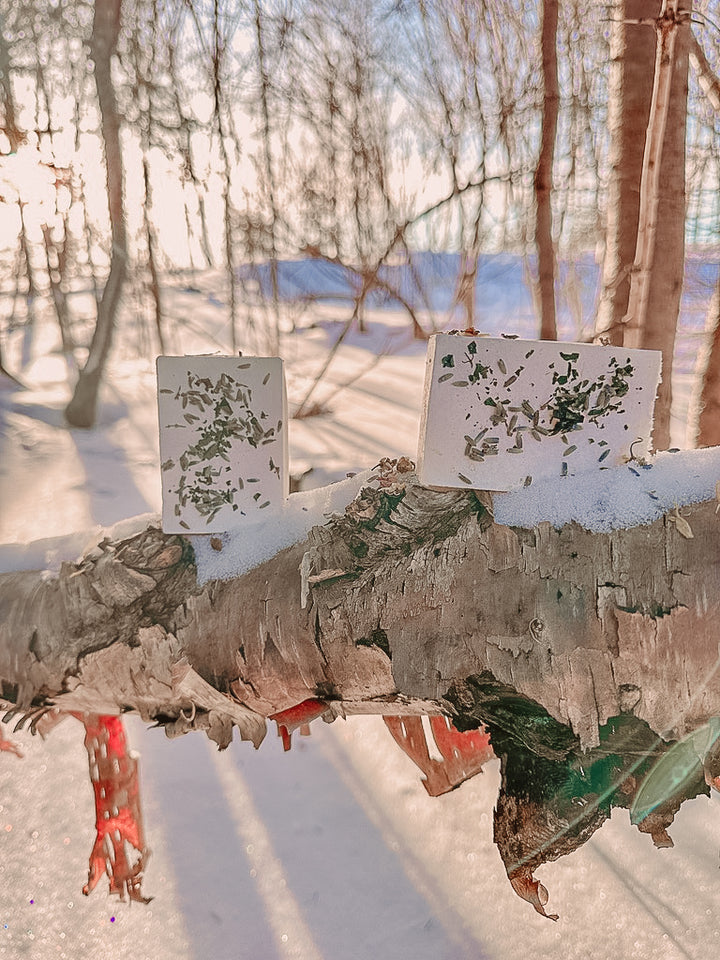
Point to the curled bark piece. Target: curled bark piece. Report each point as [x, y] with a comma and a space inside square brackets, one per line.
[299, 716]
[119, 851]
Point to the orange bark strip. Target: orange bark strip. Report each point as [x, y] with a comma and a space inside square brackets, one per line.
[119, 850]
[298, 716]
[463, 753]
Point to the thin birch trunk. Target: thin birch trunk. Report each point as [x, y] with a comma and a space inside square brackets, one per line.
[547, 266]
[10, 124]
[632, 58]
[656, 284]
[273, 344]
[218, 53]
[55, 259]
[145, 66]
[81, 411]
[152, 251]
[704, 414]
[650, 192]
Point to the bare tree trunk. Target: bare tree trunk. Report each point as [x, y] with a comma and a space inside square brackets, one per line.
[392, 608]
[656, 286]
[144, 54]
[55, 249]
[152, 251]
[81, 410]
[650, 183]
[465, 295]
[547, 266]
[9, 125]
[55, 252]
[707, 400]
[704, 415]
[32, 289]
[632, 59]
[86, 227]
[273, 335]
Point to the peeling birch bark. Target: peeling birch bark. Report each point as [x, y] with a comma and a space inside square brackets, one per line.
[433, 608]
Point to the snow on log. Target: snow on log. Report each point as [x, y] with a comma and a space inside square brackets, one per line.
[411, 600]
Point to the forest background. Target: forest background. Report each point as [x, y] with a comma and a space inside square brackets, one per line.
[273, 177]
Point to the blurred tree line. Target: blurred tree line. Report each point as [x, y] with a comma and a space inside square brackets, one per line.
[235, 134]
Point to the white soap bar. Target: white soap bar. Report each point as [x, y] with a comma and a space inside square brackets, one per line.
[500, 412]
[223, 440]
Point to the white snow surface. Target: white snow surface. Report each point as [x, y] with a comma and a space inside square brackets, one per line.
[620, 497]
[49, 553]
[249, 545]
[617, 497]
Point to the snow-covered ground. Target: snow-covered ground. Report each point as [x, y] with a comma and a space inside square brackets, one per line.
[333, 850]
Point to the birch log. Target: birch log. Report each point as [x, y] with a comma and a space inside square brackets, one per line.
[412, 601]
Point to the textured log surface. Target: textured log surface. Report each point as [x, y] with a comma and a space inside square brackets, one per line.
[412, 601]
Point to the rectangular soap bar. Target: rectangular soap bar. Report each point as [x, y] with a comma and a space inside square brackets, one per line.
[498, 411]
[223, 440]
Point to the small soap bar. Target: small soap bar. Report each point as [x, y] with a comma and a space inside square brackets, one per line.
[223, 440]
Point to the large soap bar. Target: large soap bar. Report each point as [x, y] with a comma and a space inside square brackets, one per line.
[500, 412]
